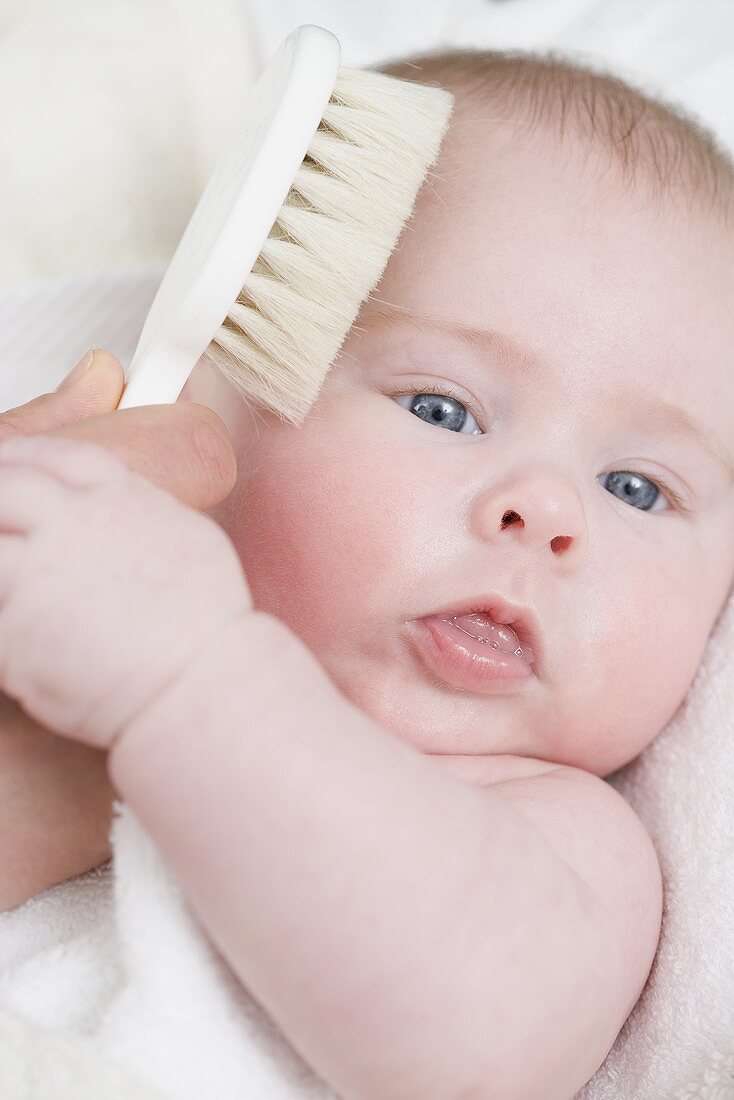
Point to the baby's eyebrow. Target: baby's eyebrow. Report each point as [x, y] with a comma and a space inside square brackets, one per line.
[485, 339]
[678, 420]
[654, 411]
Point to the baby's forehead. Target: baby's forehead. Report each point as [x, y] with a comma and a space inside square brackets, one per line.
[484, 157]
[545, 240]
[497, 169]
[651, 142]
[495, 178]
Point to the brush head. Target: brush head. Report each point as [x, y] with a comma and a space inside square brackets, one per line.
[331, 240]
[292, 231]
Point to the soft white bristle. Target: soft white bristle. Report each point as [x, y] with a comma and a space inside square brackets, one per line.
[331, 240]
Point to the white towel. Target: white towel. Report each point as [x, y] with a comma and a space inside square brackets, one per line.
[108, 982]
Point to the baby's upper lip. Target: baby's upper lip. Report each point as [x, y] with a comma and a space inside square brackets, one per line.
[523, 621]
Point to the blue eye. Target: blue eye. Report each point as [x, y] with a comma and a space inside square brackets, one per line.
[437, 406]
[636, 489]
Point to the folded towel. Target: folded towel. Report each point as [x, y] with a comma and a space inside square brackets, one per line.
[59, 955]
[39, 1063]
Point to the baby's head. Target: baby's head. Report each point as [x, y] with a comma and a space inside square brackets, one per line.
[566, 284]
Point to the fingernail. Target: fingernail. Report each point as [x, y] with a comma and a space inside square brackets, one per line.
[76, 372]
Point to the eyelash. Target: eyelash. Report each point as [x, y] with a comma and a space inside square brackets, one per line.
[447, 391]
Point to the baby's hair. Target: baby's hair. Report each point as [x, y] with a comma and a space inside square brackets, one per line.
[648, 137]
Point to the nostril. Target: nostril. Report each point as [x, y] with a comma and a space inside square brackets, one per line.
[510, 517]
[560, 542]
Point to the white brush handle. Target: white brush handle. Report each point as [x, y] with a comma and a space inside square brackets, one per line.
[234, 216]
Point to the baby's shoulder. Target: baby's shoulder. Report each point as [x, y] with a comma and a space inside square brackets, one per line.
[601, 838]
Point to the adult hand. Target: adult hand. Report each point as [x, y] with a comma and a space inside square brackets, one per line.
[55, 797]
[184, 448]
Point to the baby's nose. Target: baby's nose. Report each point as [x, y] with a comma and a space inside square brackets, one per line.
[538, 506]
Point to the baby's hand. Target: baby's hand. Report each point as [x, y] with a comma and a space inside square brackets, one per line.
[108, 586]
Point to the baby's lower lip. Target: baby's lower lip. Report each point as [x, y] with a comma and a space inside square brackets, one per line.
[464, 661]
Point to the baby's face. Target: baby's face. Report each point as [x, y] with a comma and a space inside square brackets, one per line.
[371, 515]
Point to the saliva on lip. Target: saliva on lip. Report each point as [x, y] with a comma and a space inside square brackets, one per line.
[498, 635]
[496, 645]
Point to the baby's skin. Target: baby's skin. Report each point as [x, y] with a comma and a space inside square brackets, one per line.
[409, 876]
[411, 933]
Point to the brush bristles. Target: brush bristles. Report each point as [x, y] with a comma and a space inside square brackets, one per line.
[331, 240]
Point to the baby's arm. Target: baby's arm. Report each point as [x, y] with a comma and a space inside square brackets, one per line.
[412, 935]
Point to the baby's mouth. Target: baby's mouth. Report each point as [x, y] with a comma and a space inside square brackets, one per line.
[491, 633]
[499, 636]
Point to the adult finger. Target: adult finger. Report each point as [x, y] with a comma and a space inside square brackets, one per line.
[184, 448]
[83, 393]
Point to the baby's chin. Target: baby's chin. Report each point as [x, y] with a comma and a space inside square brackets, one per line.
[382, 674]
[442, 721]
[433, 717]
[379, 671]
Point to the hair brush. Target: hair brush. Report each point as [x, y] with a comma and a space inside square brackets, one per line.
[292, 231]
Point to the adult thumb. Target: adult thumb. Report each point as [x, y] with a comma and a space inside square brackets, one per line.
[93, 387]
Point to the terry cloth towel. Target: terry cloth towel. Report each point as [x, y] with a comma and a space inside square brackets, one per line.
[109, 988]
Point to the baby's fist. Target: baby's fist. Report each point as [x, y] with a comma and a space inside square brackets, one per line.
[108, 586]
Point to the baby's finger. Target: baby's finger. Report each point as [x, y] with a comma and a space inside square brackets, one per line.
[184, 448]
[71, 461]
[12, 547]
[27, 498]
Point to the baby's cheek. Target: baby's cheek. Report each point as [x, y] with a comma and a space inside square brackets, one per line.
[321, 527]
[641, 644]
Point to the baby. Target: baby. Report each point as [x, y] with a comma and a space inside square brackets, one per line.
[366, 714]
